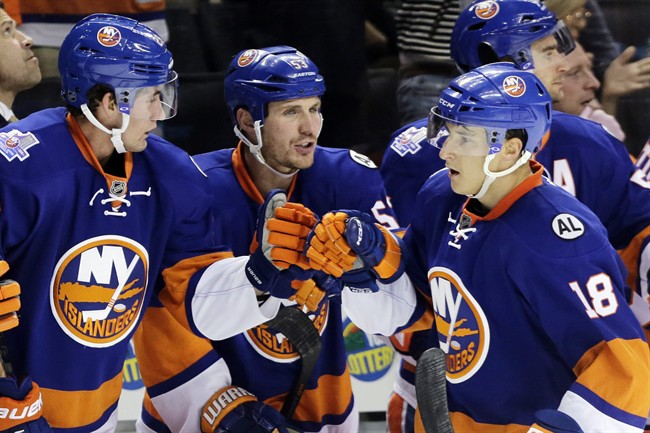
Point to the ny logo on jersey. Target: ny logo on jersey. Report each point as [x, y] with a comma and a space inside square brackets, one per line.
[463, 331]
[98, 289]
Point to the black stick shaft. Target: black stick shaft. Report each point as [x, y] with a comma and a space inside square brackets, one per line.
[431, 391]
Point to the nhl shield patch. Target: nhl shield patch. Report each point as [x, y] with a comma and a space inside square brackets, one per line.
[14, 144]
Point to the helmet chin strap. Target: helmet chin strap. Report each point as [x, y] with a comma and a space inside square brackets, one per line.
[491, 176]
[116, 134]
[256, 149]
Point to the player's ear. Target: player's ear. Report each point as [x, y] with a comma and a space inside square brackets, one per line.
[512, 148]
[108, 102]
[244, 119]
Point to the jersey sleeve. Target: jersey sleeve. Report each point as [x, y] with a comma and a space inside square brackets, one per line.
[180, 371]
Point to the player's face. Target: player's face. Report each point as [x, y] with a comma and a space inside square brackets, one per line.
[146, 110]
[464, 152]
[579, 83]
[290, 132]
[18, 65]
[550, 65]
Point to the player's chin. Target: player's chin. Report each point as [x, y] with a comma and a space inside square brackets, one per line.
[304, 162]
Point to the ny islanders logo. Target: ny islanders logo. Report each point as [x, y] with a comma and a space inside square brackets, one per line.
[514, 86]
[246, 58]
[98, 289]
[463, 330]
[273, 345]
[109, 36]
[486, 10]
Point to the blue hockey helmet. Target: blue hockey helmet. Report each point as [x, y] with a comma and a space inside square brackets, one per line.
[490, 31]
[497, 97]
[121, 53]
[256, 77]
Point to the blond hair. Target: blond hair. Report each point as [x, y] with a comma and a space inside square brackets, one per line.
[562, 8]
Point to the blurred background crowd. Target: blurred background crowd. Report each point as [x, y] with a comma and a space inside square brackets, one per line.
[378, 58]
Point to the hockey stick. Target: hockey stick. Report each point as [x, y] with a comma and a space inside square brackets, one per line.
[103, 313]
[431, 391]
[301, 333]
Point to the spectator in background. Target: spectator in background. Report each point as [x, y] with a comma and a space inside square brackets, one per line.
[622, 74]
[580, 86]
[423, 34]
[18, 65]
[48, 22]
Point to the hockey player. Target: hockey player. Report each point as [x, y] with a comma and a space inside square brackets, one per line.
[273, 96]
[18, 66]
[580, 156]
[528, 293]
[94, 208]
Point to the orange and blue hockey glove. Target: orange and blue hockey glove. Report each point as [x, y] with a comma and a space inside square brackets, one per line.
[23, 405]
[235, 410]
[350, 245]
[9, 300]
[277, 259]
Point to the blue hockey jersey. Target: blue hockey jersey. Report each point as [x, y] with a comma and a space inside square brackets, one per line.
[86, 248]
[530, 309]
[260, 360]
[581, 157]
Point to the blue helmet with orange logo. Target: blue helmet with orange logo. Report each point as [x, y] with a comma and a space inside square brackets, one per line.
[497, 97]
[495, 30]
[256, 77]
[119, 52]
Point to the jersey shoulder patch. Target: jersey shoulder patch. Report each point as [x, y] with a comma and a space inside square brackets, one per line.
[362, 159]
[14, 144]
[408, 141]
[567, 226]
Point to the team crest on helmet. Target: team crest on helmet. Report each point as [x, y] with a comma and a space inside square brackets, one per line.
[246, 58]
[98, 290]
[109, 36]
[273, 345]
[463, 330]
[514, 86]
[486, 10]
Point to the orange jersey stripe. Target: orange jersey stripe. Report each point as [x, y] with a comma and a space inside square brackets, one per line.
[615, 358]
[158, 325]
[464, 424]
[69, 409]
[315, 403]
[630, 256]
[177, 279]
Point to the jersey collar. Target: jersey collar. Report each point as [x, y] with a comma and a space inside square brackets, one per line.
[532, 181]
